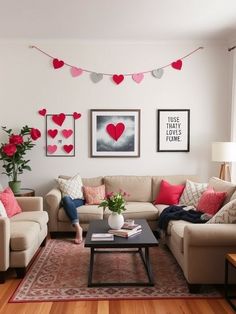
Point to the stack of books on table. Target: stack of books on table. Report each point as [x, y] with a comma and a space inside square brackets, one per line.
[126, 232]
[102, 237]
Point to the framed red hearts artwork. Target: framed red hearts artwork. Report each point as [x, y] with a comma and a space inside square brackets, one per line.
[115, 133]
[60, 135]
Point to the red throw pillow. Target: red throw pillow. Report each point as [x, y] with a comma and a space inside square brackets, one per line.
[211, 201]
[169, 194]
[94, 194]
[9, 202]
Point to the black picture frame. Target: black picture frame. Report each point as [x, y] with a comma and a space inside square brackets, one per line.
[173, 130]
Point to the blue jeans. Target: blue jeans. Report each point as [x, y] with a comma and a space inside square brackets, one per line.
[70, 206]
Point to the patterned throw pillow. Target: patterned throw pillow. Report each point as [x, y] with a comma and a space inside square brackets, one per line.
[2, 210]
[211, 201]
[71, 187]
[9, 202]
[94, 194]
[226, 215]
[192, 193]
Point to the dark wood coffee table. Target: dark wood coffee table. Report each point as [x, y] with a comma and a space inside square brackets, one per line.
[141, 242]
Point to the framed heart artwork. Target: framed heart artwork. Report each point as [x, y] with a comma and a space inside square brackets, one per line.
[60, 135]
[115, 133]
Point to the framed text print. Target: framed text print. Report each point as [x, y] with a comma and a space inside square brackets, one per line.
[60, 135]
[115, 133]
[173, 130]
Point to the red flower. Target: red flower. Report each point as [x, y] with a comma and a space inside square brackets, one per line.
[16, 139]
[35, 134]
[9, 149]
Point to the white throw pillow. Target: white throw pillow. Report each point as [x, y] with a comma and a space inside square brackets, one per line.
[71, 187]
[192, 193]
[226, 215]
[2, 210]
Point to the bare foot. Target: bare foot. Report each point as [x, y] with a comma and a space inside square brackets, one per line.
[79, 235]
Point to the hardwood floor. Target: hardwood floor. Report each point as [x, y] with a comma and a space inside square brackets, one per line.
[166, 306]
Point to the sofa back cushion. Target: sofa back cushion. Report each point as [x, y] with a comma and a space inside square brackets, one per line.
[96, 181]
[139, 188]
[223, 186]
[175, 179]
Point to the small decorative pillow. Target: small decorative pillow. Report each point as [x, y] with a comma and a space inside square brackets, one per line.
[9, 202]
[169, 194]
[192, 193]
[94, 194]
[211, 201]
[71, 187]
[226, 215]
[2, 210]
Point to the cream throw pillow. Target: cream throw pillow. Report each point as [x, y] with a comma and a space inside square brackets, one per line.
[3, 212]
[226, 215]
[192, 193]
[71, 187]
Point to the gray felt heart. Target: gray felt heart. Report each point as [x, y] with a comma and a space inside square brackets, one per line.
[158, 73]
[96, 77]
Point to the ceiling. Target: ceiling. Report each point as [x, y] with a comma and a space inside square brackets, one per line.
[133, 20]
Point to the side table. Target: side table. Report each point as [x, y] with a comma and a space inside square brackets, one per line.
[25, 192]
[230, 259]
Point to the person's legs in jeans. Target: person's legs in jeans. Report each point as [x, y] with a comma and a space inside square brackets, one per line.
[70, 206]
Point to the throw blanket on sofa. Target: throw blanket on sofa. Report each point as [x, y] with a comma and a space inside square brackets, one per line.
[175, 212]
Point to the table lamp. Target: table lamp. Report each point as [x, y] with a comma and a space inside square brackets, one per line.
[224, 152]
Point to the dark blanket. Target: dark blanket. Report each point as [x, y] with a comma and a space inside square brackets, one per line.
[175, 212]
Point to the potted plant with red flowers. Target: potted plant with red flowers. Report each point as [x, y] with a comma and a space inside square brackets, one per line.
[13, 153]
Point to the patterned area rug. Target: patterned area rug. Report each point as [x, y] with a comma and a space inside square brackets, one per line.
[60, 273]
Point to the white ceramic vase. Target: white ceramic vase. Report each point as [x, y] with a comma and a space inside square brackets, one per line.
[115, 221]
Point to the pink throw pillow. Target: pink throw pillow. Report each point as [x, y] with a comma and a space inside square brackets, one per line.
[9, 202]
[211, 201]
[169, 194]
[94, 194]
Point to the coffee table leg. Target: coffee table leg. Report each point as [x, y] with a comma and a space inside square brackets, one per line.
[147, 265]
[90, 276]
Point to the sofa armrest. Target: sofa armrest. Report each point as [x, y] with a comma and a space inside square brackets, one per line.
[210, 235]
[31, 203]
[4, 243]
[53, 200]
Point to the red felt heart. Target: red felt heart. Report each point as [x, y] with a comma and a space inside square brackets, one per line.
[51, 149]
[115, 131]
[76, 115]
[57, 63]
[177, 64]
[68, 148]
[67, 133]
[58, 118]
[42, 112]
[118, 78]
[52, 133]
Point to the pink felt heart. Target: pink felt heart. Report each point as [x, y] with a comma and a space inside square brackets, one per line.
[177, 64]
[76, 71]
[67, 133]
[76, 115]
[58, 118]
[42, 112]
[68, 148]
[52, 133]
[115, 131]
[138, 77]
[57, 63]
[51, 149]
[118, 78]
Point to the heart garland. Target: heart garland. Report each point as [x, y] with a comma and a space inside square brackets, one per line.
[42, 112]
[177, 65]
[118, 78]
[57, 64]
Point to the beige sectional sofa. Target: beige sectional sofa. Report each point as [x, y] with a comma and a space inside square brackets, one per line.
[198, 248]
[22, 235]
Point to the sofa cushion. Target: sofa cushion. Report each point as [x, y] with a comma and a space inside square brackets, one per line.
[139, 188]
[136, 210]
[96, 181]
[177, 233]
[86, 213]
[40, 217]
[223, 186]
[23, 234]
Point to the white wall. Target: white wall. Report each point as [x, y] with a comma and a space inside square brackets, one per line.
[28, 83]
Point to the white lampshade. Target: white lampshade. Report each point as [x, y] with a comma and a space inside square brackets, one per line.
[224, 151]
